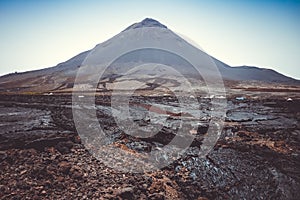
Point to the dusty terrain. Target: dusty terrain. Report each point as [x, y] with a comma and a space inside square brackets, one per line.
[256, 157]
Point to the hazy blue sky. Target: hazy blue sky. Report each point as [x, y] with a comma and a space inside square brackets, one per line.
[39, 34]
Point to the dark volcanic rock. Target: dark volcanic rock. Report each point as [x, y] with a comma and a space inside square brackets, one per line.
[40, 144]
[256, 157]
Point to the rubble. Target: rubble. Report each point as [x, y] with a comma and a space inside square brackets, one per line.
[256, 157]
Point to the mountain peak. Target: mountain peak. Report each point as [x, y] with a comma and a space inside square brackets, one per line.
[147, 22]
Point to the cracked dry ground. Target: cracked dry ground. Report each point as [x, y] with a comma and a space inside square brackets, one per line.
[41, 157]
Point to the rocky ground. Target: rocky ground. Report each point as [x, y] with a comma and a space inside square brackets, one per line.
[256, 157]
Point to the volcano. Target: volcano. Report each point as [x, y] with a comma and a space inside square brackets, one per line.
[62, 76]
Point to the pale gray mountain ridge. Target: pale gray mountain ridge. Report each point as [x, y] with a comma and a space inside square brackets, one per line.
[153, 31]
[228, 72]
[148, 22]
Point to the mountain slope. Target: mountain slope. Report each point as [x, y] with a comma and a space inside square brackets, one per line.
[63, 75]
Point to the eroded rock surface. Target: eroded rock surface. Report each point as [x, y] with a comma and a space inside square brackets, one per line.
[256, 157]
